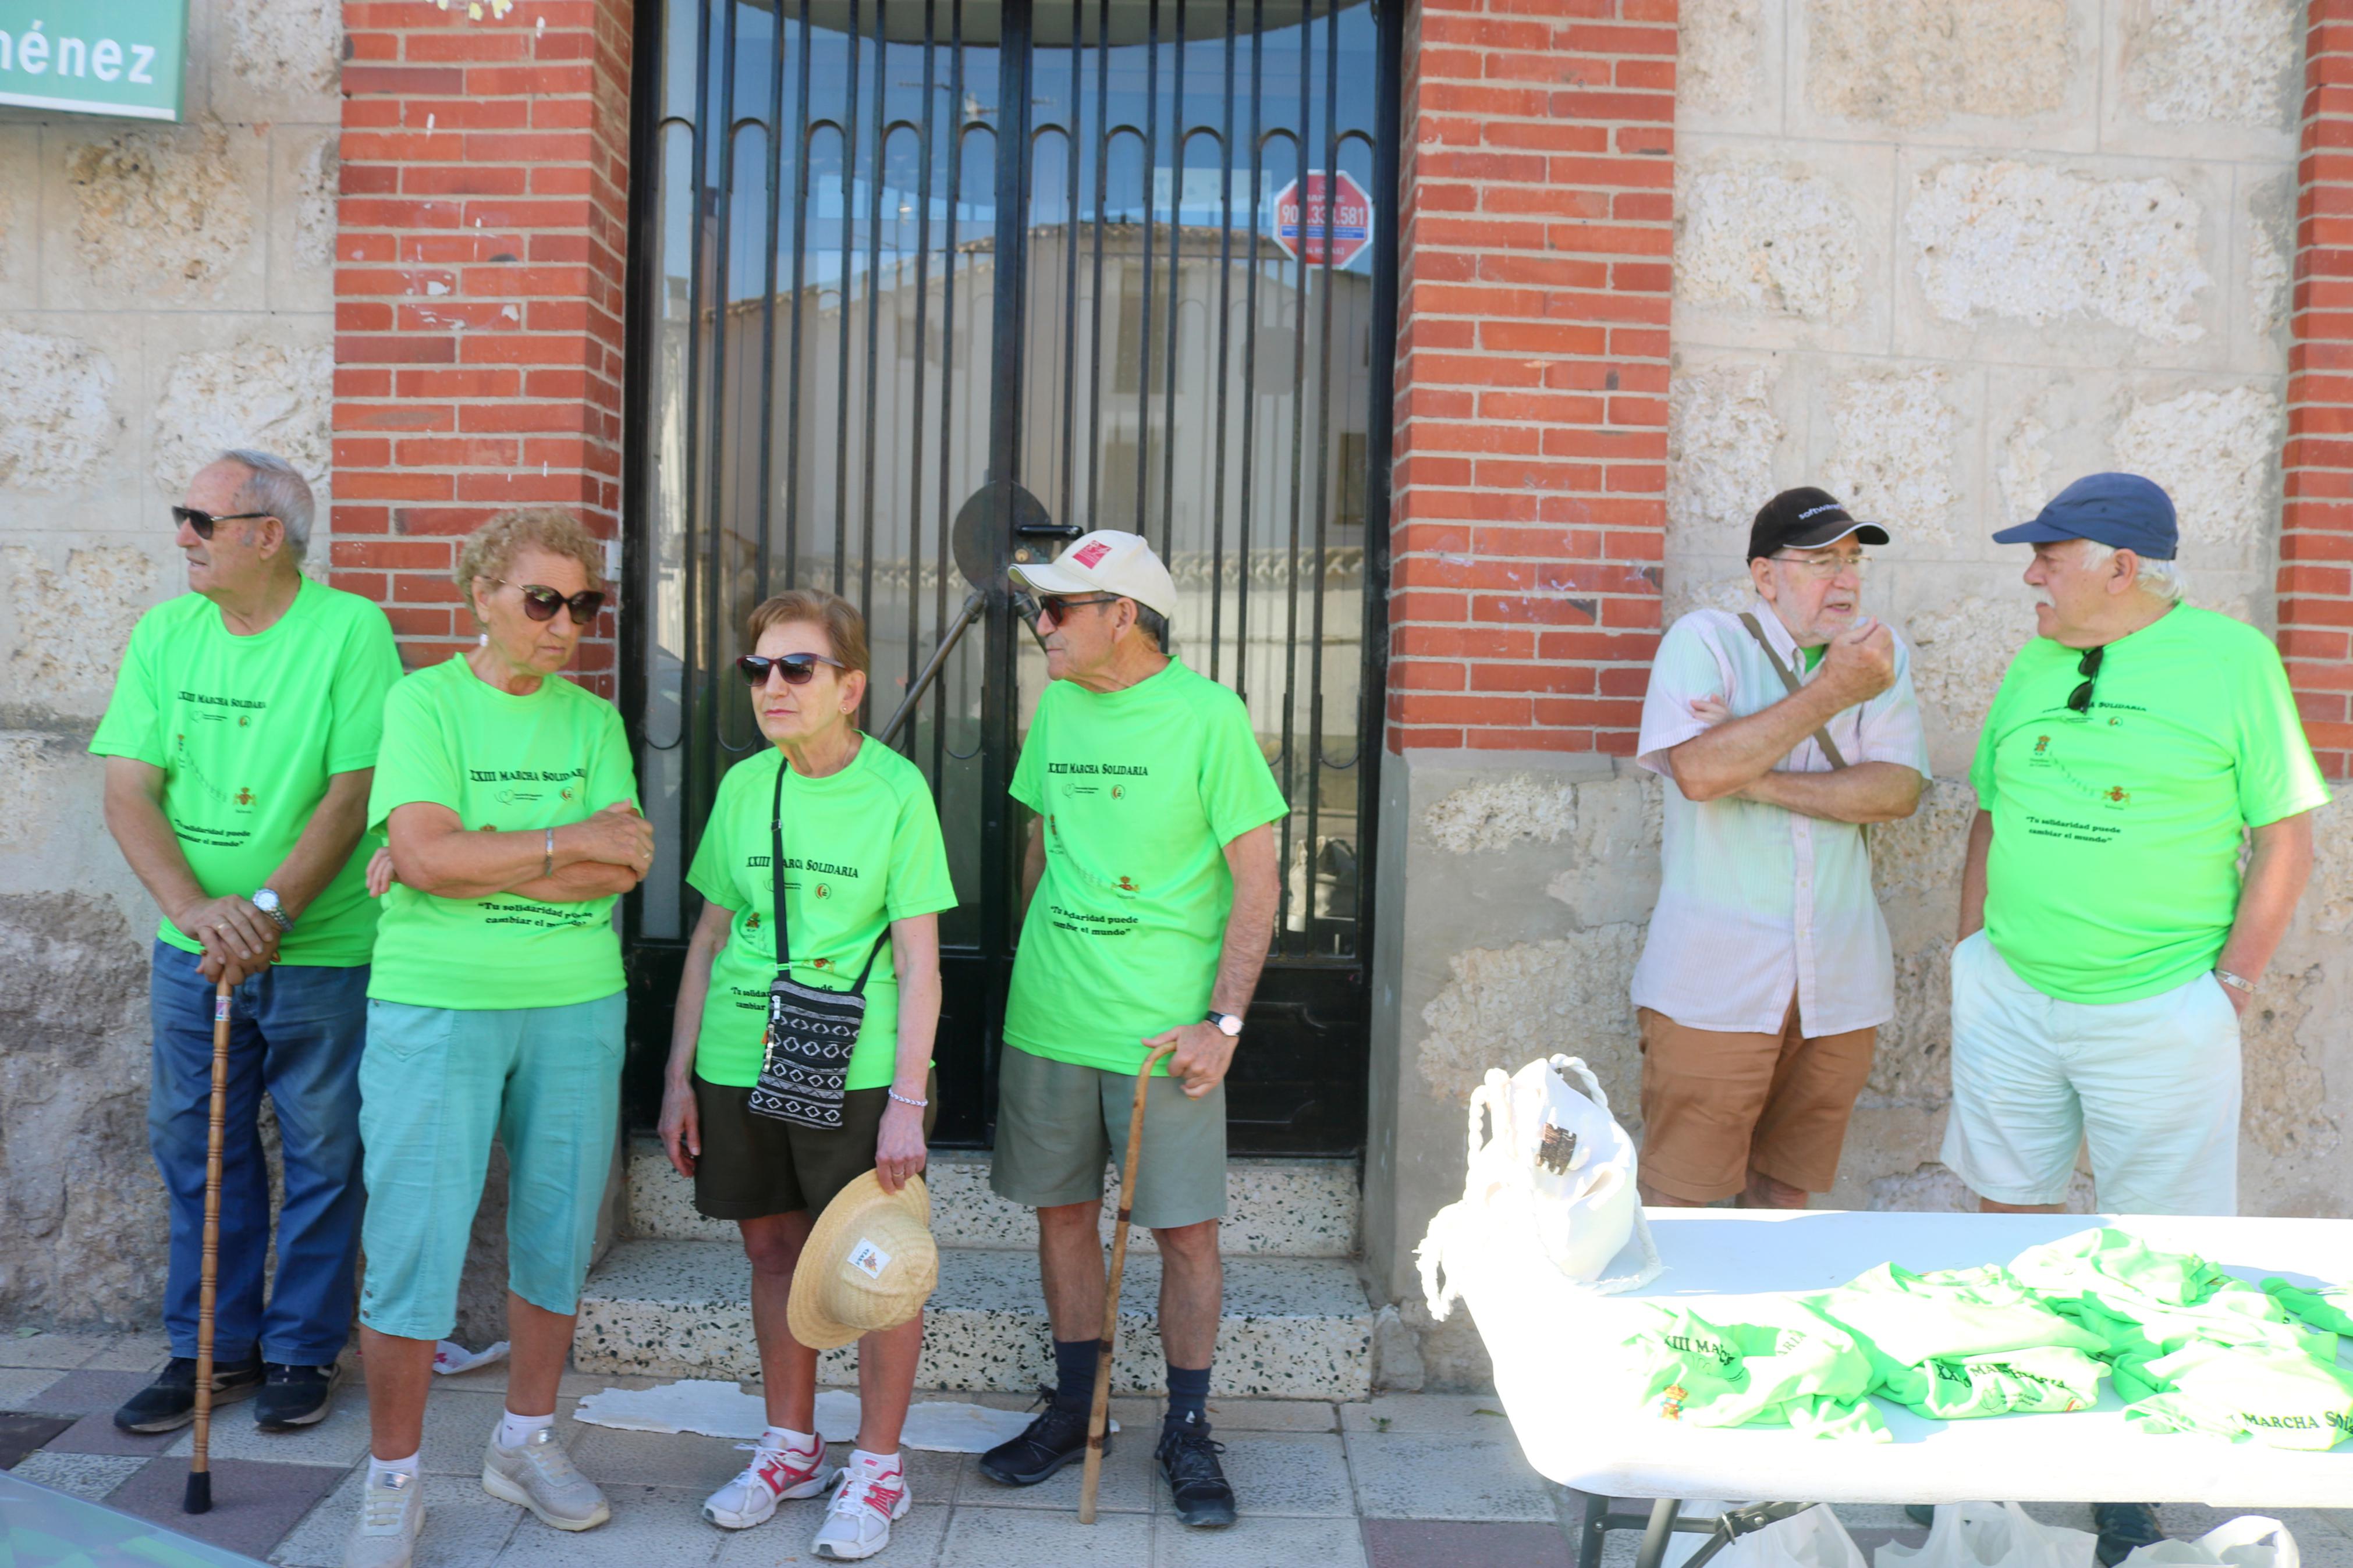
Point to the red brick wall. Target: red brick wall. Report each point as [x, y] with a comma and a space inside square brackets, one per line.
[1536, 216]
[478, 259]
[2316, 569]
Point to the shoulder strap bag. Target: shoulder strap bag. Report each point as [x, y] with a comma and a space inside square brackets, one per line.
[811, 1032]
[1790, 679]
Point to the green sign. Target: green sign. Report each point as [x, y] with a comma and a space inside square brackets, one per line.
[94, 57]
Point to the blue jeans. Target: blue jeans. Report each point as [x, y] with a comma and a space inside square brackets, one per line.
[296, 1030]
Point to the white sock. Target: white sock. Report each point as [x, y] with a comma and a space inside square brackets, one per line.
[874, 1464]
[790, 1441]
[379, 1468]
[515, 1430]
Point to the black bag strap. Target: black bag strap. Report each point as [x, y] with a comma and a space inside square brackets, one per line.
[777, 881]
[1789, 680]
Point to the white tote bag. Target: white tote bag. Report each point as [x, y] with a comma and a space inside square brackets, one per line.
[1991, 1535]
[1812, 1539]
[2250, 1541]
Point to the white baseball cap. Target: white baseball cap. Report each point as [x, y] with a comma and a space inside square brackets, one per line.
[1105, 561]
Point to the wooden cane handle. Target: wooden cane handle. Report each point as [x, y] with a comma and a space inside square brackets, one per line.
[1099, 1412]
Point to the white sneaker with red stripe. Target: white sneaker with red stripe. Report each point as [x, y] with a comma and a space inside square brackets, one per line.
[777, 1472]
[872, 1493]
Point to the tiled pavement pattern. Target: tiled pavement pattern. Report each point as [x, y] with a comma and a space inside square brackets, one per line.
[1401, 1481]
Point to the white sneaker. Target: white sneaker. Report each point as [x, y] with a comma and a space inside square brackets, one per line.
[858, 1521]
[392, 1510]
[773, 1476]
[537, 1474]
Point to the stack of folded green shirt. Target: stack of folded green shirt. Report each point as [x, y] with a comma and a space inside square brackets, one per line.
[1966, 1342]
[1801, 1373]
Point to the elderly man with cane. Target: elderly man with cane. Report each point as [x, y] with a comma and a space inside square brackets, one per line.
[1152, 896]
[240, 745]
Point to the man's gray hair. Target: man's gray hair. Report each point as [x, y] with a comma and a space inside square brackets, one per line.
[277, 487]
[1152, 624]
[2158, 579]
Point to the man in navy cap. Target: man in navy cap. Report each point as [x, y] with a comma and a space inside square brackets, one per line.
[2109, 942]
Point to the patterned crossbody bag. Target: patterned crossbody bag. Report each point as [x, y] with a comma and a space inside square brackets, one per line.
[811, 1032]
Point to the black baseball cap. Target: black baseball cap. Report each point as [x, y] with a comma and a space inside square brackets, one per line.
[1806, 519]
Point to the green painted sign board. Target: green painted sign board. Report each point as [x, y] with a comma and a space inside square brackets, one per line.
[94, 57]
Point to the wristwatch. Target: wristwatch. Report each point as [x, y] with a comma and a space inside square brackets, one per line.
[2236, 982]
[1228, 1024]
[266, 902]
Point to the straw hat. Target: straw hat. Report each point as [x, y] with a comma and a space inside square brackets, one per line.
[869, 1263]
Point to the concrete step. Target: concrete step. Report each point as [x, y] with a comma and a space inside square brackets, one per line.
[1278, 1209]
[1294, 1328]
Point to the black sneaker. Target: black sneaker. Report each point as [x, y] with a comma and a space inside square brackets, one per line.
[295, 1395]
[1195, 1480]
[1056, 1438]
[2124, 1526]
[169, 1402]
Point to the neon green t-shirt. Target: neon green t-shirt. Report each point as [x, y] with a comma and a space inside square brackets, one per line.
[862, 848]
[249, 731]
[1141, 789]
[1811, 1378]
[2114, 871]
[1814, 656]
[1966, 1342]
[509, 763]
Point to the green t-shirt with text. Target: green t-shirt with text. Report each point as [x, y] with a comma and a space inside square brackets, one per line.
[249, 732]
[2115, 870]
[862, 848]
[1141, 790]
[512, 764]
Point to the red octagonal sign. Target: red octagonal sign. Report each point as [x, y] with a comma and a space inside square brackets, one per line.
[1336, 225]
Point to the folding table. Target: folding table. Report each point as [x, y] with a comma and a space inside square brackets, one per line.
[1578, 1426]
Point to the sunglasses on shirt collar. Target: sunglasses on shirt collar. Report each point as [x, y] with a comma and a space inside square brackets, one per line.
[2088, 666]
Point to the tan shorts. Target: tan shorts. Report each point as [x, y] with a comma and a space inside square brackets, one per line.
[1716, 1106]
[1059, 1124]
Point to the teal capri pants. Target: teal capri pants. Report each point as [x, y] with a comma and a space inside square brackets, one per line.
[436, 1084]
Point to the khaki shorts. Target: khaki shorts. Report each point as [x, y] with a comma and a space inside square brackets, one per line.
[1057, 1123]
[754, 1166]
[1716, 1106]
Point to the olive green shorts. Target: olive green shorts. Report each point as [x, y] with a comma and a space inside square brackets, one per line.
[1057, 1123]
[754, 1166]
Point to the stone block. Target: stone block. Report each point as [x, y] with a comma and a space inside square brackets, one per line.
[272, 390]
[1731, 444]
[161, 218]
[20, 218]
[1997, 73]
[2202, 79]
[1728, 66]
[278, 63]
[2264, 254]
[304, 169]
[69, 622]
[1894, 450]
[1784, 252]
[2217, 454]
[62, 394]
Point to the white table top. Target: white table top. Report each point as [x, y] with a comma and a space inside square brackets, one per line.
[1578, 1426]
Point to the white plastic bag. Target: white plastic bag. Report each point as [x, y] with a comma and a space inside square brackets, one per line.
[1812, 1539]
[2250, 1541]
[1991, 1535]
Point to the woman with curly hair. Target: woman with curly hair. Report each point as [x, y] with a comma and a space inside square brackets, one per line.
[495, 1010]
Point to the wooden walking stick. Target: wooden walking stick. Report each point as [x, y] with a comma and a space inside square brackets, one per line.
[1099, 1414]
[199, 1499]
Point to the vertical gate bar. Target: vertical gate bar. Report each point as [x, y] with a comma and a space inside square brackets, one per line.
[1225, 307]
[1077, 111]
[800, 274]
[915, 425]
[955, 151]
[1176, 279]
[1102, 195]
[769, 300]
[721, 233]
[1249, 354]
[841, 331]
[1298, 444]
[692, 698]
[1323, 456]
[1372, 699]
[1143, 310]
[879, 155]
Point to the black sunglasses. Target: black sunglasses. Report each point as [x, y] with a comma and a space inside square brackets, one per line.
[797, 669]
[2088, 666]
[1056, 608]
[204, 522]
[540, 603]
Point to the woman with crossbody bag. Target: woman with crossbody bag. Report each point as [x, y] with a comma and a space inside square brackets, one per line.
[801, 1044]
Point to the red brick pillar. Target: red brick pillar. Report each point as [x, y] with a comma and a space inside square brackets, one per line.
[480, 250]
[1537, 218]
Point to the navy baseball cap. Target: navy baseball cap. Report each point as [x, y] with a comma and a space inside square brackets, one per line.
[2123, 512]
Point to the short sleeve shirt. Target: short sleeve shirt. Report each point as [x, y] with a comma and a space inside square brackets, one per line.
[249, 732]
[507, 763]
[1759, 904]
[2115, 869]
[1141, 790]
[862, 848]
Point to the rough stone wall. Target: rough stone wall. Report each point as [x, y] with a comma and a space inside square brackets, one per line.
[164, 291]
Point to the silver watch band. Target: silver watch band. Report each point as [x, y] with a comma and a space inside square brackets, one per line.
[2236, 982]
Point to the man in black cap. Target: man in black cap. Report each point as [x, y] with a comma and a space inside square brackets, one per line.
[2110, 941]
[1781, 729]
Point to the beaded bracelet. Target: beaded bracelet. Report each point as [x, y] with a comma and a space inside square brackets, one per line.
[903, 1099]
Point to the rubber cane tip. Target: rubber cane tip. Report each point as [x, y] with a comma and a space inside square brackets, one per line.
[200, 1493]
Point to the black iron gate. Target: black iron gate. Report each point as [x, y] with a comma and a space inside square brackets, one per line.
[894, 260]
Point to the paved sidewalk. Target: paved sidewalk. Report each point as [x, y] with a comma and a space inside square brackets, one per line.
[1401, 1481]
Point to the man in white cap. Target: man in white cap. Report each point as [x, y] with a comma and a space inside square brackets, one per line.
[1151, 892]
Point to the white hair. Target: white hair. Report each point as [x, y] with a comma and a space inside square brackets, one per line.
[275, 486]
[2158, 579]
